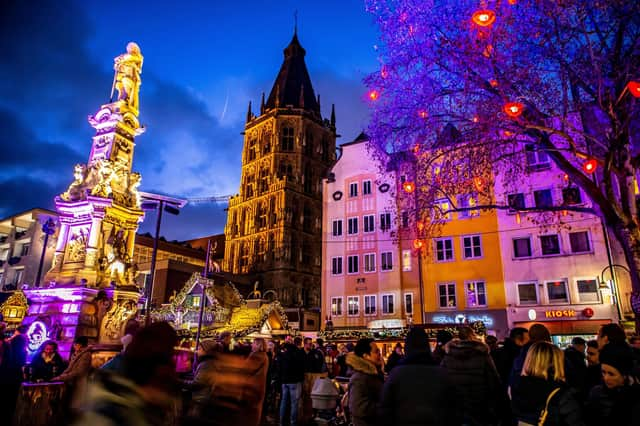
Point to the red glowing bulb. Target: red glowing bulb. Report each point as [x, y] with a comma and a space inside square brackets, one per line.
[493, 83]
[634, 88]
[512, 2]
[513, 109]
[475, 119]
[374, 95]
[484, 18]
[423, 114]
[408, 187]
[589, 166]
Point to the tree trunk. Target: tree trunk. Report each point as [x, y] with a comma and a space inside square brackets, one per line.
[629, 240]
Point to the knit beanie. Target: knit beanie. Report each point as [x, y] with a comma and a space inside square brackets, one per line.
[618, 356]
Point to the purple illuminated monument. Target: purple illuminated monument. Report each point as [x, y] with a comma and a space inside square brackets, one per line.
[90, 289]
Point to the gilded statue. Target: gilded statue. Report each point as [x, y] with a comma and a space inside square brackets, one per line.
[255, 294]
[126, 81]
[76, 190]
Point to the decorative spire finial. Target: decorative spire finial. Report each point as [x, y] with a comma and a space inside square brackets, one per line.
[295, 22]
[262, 105]
[333, 116]
[249, 113]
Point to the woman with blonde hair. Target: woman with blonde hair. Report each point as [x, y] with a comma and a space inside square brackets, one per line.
[540, 396]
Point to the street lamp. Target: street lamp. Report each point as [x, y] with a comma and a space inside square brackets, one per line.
[614, 285]
[161, 203]
[48, 228]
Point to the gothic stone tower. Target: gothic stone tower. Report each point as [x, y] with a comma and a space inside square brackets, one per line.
[274, 224]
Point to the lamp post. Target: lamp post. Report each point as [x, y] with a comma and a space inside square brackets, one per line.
[48, 228]
[203, 301]
[614, 284]
[161, 203]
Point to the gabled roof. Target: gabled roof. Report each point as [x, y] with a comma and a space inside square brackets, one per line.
[293, 84]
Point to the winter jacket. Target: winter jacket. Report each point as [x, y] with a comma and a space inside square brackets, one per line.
[618, 406]
[365, 387]
[113, 400]
[392, 361]
[418, 392]
[79, 366]
[529, 397]
[291, 365]
[476, 380]
[201, 384]
[45, 371]
[503, 358]
[313, 361]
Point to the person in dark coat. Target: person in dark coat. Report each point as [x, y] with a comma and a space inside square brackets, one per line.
[593, 376]
[418, 391]
[504, 356]
[290, 366]
[442, 338]
[47, 363]
[14, 358]
[366, 382]
[395, 357]
[531, 393]
[617, 401]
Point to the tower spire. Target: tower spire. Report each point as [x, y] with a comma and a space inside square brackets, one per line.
[262, 107]
[295, 22]
[333, 116]
[249, 113]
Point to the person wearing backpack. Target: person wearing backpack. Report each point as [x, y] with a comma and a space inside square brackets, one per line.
[540, 395]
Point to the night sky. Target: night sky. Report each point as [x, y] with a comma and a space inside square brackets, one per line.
[203, 62]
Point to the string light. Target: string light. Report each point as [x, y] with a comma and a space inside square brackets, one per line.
[513, 109]
[590, 166]
[408, 187]
[634, 88]
[484, 18]
[374, 95]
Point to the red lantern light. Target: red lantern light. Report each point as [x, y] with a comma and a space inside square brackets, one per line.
[484, 18]
[475, 119]
[634, 88]
[417, 244]
[374, 95]
[513, 109]
[493, 83]
[587, 312]
[423, 114]
[408, 187]
[590, 166]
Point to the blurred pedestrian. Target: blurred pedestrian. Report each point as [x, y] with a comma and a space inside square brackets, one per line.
[290, 365]
[540, 394]
[366, 382]
[115, 363]
[504, 356]
[610, 333]
[418, 391]
[315, 367]
[79, 363]
[537, 333]
[442, 338]
[491, 342]
[617, 400]
[202, 383]
[396, 356]
[47, 363]
[14, 359]
[475, 378]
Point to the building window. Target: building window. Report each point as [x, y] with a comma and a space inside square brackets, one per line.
[385, 221]
[370, 305]
[352, 226]
[4, 254]
[550, 244]
[516, 202]
[557, 292]
[337, 228]
[287, 138]
[536, 159]
[571, 195]
[387, 304]
[24, 250]
[522, 247]
[336, 265]
[588, 290]
[579, 242]
[543, 198]
[353, 189]
[370, 262]
[527, 294]
[352, 264]
[447, 295]
[444, 249]
[369, 225]
[472, 246]
[252, 150]
[336, 306]
[465, 202]
[476, 294]
[408, 303]
[406, 260]
[366, 187]
[387, 261]
[353, 305]
[441, 210]
[405, 219]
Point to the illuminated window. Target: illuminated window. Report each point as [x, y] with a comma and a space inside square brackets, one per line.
[476, 293]
[387, 304]
[353, 305]
[557, 292]
[441, 210]
[336, 306]
[527, 293]
[472, 246]
[588, 290]
[406, 260]
[467, 201]
[370, 262]
[444, 249]
[447, 295]
[370, 305]
[195, 301]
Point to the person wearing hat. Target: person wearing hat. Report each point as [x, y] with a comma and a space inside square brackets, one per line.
[79, 362]
[418, 391]
[617, 401]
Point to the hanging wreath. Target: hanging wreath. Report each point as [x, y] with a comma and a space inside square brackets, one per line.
[337, 195]
[384, 187]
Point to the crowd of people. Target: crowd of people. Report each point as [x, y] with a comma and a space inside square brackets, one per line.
[464, 380]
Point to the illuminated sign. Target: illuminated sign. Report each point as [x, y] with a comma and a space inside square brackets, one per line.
[567, 313]
[462, 319]
[37, 334]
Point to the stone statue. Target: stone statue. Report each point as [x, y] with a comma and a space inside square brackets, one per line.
[76, 190]
[128, 68]
[135, 179]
